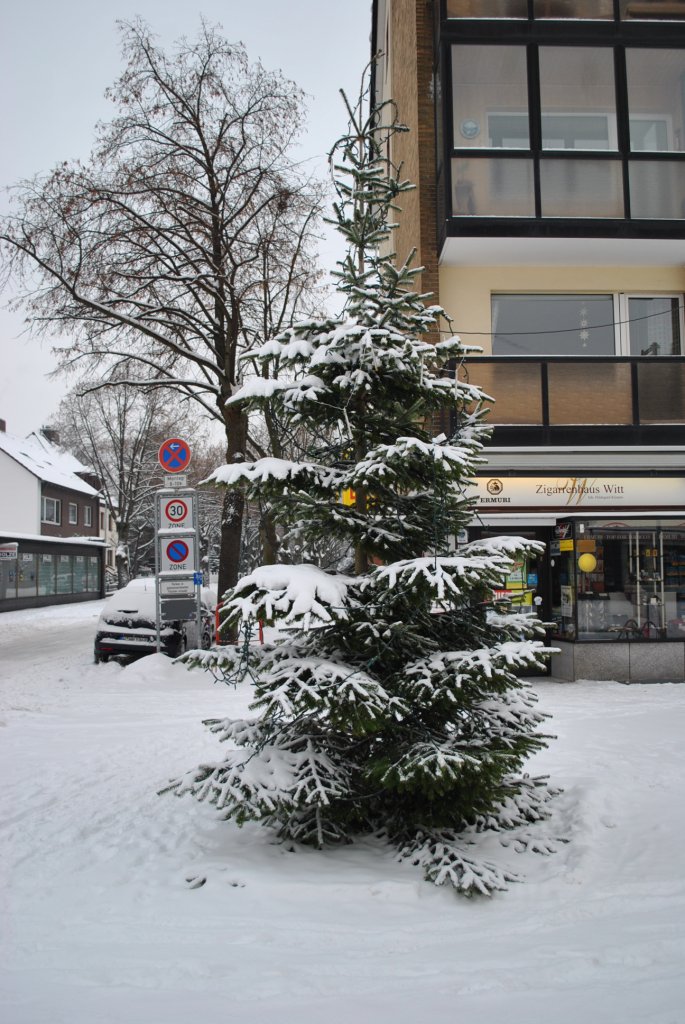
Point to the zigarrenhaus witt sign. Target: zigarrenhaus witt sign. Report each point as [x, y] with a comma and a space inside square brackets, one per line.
[567, 493]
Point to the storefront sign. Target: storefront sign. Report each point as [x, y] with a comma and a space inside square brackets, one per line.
[575, 493]
[8, 551]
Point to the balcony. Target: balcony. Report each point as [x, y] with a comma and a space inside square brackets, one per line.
[637, 400]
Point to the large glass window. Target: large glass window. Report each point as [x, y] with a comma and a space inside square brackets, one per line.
[656, 93]
[64, 574]
[657, 189]
[577, 98]
[497, 187]
[625, 583]
[581, 188]
[552, 325]
[8, 579]
[600, 325]
[490, 97]
[27, 575]
[581, 170]
[93, 573]
[46, 575]
[80, 574]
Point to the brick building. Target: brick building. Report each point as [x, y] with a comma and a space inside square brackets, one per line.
[547, 143]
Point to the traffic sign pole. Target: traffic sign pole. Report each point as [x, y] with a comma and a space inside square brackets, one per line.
[176, 536]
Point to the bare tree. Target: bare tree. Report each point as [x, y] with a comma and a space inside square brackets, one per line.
[186, 237]
[117, 431]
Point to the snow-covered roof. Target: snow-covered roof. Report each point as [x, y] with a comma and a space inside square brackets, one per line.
[11, 535]
[46, 461]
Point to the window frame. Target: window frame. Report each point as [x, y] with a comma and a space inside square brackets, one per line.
[621, 307]
[57, 508]
[73, 513]
[87, 515]
[623, 318]
[615, 45]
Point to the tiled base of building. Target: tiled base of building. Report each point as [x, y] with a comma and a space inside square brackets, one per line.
[624, 662]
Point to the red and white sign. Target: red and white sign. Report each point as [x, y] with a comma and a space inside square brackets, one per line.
[174, 512]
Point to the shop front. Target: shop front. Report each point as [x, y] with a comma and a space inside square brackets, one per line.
[36, 571]
[612, 580]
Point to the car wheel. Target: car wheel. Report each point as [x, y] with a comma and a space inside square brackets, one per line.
[100, 657]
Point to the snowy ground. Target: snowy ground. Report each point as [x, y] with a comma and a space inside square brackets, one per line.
[100, 925]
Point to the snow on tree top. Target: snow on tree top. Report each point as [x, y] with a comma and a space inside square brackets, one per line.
[271, 469]
[258, 387]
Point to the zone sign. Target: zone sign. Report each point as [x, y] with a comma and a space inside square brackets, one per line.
[175, 511]
[177, 555]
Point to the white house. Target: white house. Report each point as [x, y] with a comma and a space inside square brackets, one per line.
[51, 547]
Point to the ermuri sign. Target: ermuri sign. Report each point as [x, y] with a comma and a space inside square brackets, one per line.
[502, 493]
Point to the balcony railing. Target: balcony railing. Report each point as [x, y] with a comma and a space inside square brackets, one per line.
[637, 392]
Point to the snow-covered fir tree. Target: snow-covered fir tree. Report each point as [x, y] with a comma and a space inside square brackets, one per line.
[390, 701]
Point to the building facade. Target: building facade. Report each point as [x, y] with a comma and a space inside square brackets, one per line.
[51, 546]
[548, 146]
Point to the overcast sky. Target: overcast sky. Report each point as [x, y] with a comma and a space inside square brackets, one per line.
[58, 56]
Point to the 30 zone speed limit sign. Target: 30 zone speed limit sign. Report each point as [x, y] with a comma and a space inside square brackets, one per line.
[175, 511]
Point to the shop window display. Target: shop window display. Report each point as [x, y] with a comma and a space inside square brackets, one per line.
[618, 581]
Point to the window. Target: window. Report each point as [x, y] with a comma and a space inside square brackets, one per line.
[587, 325]
[490, 97]
[87, 516]
[652, 325]
[102, 522]
[657, 190]
[620, 583]
[64, 574]
[577, 98]
[46, 575]
[656, 92]
[581, 188]
[561, 325]
[73, 513]
[559, 153]
[51, 511]
[498, 187]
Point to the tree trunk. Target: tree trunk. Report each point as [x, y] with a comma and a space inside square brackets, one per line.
[234, 502]
[122, 555]
[268, 538]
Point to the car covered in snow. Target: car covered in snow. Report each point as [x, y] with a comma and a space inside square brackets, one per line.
[128, 624]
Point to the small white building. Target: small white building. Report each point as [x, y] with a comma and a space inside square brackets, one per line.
[51, 545]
